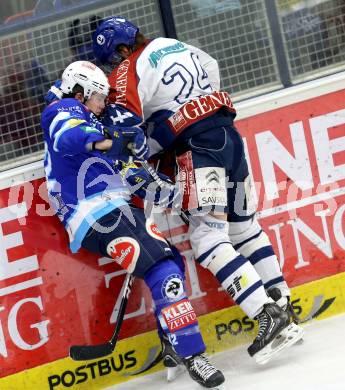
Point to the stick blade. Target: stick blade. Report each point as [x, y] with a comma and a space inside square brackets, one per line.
[150, 365]
[89, 352]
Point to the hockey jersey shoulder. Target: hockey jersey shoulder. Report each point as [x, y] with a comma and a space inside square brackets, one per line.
[124, 82]
[64, 109]
[159, 48]
[73, 107]
[69, 128]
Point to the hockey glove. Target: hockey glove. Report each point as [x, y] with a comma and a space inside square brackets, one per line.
[139, 147]
[136, 142]
[141, 183]
[122, 138]
[116, 152]
[54, 92]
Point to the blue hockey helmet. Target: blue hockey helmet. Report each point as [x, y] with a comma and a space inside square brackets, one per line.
[111, 33]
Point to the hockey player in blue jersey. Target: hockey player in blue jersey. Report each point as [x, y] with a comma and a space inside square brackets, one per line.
[93, 203]
[175, 86]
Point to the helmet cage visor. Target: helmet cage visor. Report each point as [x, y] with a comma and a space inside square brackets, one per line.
[115, 58]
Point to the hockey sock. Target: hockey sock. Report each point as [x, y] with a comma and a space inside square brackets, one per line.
[178, 259]
[210, 241]
[173, 309]
[253, 243]
[238, 277]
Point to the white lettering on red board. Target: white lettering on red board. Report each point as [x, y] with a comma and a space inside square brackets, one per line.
[297, 166]
[14, 268]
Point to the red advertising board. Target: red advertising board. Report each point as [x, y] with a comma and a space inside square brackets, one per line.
[51, 299]
[297, 154]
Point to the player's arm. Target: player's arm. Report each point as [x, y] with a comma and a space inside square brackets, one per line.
[72, 134]
[101, 146]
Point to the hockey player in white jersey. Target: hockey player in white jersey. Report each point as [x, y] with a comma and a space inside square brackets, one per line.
[93, 203]
[175, 87]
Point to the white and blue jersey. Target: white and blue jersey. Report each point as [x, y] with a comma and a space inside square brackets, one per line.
[168, 84]
[82, 184]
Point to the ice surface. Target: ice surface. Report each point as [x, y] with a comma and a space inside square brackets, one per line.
[316, 364]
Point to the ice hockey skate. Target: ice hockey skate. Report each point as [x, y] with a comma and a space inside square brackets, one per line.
[285, 304]
[171, 361]
[276, 332]
[202, 371]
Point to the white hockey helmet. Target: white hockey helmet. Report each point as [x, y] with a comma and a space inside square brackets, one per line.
[87, 75]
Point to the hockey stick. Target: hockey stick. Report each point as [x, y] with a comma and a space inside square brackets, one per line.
[149, 365]
[88, 352]
[152, 172]
[163, 184]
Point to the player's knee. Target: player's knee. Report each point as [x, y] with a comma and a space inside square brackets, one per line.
[166, 281]
[206, 233]
[211, 244]
[240, 231]
[248, 237]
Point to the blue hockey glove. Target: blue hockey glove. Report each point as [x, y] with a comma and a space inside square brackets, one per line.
[118, 150]
[127, 141]
[138, 180]
[54, 92]
[137, 141]
[140, 148]
[142, 184]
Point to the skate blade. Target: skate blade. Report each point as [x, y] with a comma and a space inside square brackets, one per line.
[289, 336]
[220, 387]
[174, 372]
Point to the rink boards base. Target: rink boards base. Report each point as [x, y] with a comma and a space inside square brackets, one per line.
[221, 329]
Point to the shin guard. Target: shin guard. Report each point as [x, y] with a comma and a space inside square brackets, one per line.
[173, 309]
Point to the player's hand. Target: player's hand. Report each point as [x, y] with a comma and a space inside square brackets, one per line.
[141, 183]
[137, 140]
[122, 138]
[117, 151]
[138, 181]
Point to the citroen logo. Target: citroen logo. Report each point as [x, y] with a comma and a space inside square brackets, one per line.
[212, 176]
